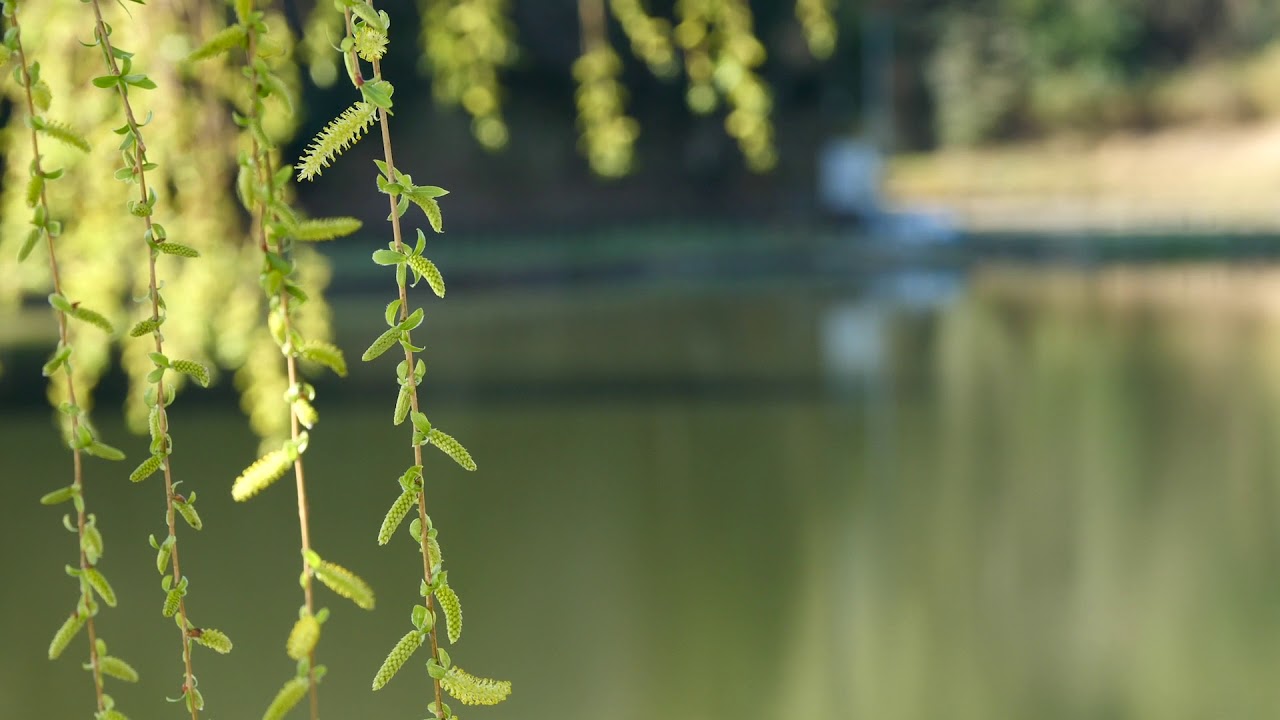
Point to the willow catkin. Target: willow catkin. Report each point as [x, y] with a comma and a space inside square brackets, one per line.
[260, 475]
[452, 448]
[303, 637]
[285, 700]
[396, 514]
[472, 690]
[399, 655]
[66, 633]
[452, 607]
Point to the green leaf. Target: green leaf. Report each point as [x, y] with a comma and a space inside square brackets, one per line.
[378, 92]
[370, 16]
[91, 542]
[452, 448]
[104, 451]
[399, 655]
[33, 237]
[57, 360]
[413, 321]
[106, 81]
[472, 690]
[388, 257]
[393, 308]
[58, 496]
[139, 81]
[164, 551]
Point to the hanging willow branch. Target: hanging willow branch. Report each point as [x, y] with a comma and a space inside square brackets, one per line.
[363, 21]
[120, 80]
[44, 227]
[262, 188]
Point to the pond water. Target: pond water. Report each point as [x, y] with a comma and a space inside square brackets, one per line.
[1013, 493]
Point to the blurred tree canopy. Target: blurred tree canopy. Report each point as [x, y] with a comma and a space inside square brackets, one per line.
[994, 69]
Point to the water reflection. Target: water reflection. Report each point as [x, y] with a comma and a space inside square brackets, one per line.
[1029, 493]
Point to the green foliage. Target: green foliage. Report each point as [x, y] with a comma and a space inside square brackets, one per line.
[135, 165]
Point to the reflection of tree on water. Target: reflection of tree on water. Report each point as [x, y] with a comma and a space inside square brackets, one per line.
[1080, 517]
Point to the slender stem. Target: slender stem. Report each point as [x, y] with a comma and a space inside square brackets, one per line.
[262, 162]
[64, 340]
[591, 18]
[139, 161]
[410, 376]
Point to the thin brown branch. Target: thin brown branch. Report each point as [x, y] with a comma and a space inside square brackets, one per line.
[64, 339]
[262, 162]
[140, 159]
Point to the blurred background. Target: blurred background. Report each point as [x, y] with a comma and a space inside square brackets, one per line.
[822, 359]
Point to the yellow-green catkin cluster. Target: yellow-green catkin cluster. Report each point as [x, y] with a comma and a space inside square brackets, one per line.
[722, 55]
[411, 267]
[120, 79]
[817, 20]
[466, 43]
[37, 99]
[608, 134]
[650, 36]
[263, 186]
